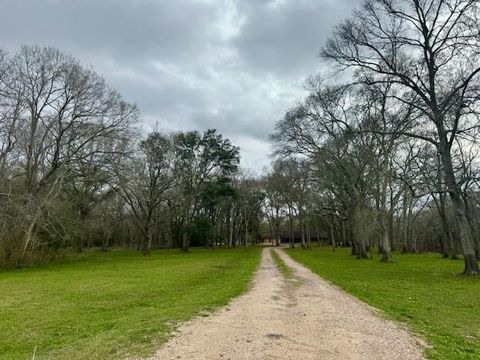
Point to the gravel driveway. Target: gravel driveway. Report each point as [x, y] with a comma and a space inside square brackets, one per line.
[300, 318]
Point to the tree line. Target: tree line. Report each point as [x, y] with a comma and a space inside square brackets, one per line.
[396, 143]
[380, 155]
[77, 171]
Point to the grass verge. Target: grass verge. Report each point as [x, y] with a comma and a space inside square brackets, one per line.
[423, 291]
[110, 305]
[284, 269]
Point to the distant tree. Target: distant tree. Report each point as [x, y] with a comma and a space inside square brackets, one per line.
[218, 198]
[274, 206]
[200, 158]
[250, 203]
[145, 184]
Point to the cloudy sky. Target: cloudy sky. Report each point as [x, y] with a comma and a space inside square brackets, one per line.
[233, 65]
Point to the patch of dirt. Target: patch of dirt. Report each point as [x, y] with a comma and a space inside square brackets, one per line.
[276, 319]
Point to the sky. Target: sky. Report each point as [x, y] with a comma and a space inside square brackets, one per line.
[233, 65]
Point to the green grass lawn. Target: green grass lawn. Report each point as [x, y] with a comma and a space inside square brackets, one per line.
[111, 304]
[284, 269]
[423, 291]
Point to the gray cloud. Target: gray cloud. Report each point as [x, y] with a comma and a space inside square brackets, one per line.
[284, 36]
[234, 65]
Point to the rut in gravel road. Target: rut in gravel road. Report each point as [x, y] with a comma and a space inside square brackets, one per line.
[306, 318]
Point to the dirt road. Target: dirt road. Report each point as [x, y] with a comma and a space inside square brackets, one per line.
[303, 318]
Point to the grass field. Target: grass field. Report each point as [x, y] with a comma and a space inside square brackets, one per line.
[423, 291]
[111, 304]
[282, 267]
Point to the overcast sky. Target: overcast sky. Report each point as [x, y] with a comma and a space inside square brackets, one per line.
[233, 65]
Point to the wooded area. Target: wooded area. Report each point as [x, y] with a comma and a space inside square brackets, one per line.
[76, 171]
[391, 156]
[385, 160]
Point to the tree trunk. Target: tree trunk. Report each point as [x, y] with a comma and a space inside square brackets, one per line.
[461, 222]
[185, 241]
[332, 235]
[230, 229]
[302, 228]
[408, 245]
[147, 241]
[469, 211]
[246, 228]
[384, 242]
[309, 236]
[448, 246]
[290, 218]
[443, 241]
[385, 247]
[28, 237]
[360, 232]
[404, 222]
[317, 232]
[277, 227]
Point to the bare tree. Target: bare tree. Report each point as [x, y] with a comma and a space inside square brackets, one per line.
[274, 204]
[63, 113]
[144, 186]
[429, 50]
